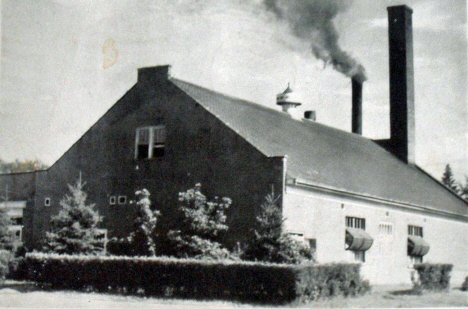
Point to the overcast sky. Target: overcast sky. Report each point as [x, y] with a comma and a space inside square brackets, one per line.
[64, 63]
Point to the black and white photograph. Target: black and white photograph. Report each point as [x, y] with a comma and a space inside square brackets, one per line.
[233, 154]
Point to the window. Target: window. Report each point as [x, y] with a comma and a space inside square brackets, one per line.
[16, 233]
[358, 223]
[101, 234]
[17, 221]
[150, 142]
[47, 201]
[415, 230]
[416, 250]
[122, 199]
[297, 236]
[359, 251]
[112, 200]
[385, 229]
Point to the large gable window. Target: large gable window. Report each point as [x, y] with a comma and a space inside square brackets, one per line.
[150, 142]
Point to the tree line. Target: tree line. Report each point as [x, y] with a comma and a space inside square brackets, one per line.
[20, 166]
[448, 179]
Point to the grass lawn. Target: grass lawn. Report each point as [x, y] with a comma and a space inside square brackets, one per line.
[23, 295]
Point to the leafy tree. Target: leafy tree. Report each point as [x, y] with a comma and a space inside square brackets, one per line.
[141, 240]
[74, 229]
[449, 180]
[202, 224]
[6, 241]
[21, 166]
[270, 243]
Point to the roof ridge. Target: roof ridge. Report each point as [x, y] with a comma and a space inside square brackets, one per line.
[303, 121]
[229, 96]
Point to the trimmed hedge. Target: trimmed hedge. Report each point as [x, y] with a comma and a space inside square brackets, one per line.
[433, 276]
[169, 277]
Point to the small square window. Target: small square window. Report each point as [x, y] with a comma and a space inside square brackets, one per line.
[122, 199]
[112, 200]
[47, 201]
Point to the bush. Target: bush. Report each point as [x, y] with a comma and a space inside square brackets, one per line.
[464, 286]
[169, 277]
[5, 257]
[202, 224]
[433, 276]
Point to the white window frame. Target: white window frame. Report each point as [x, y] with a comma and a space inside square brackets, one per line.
[125, 199]
[297, 236]
[415, 230]
[356, 222]
[386, 229]
[47, 201]
[151, 140]
[112, 200]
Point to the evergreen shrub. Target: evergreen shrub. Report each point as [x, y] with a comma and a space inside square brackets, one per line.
[433, 276]
[191, 278]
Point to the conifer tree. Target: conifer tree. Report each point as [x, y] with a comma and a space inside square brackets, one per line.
[449, 180]
[464, 189]
[141, 240]
[74, 229]
[270, 243]
[202, 224]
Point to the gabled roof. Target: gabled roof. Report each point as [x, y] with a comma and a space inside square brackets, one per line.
[327, 157]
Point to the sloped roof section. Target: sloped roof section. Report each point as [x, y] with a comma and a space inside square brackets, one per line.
[325, 156]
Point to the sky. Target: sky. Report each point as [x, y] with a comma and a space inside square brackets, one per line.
[65, 63]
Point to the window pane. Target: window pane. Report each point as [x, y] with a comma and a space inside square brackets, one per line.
[143, 136]
[143, 151]
[158, 152]
[159, 135]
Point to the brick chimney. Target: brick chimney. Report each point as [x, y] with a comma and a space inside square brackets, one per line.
[402, 118]
[356, 112]
[154, 74]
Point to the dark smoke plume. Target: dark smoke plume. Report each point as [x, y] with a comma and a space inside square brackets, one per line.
[312, 20]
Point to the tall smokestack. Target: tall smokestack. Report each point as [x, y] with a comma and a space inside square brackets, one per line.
[356, 113]
[402, 119]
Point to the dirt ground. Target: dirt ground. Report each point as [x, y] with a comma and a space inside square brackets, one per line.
[24, 295]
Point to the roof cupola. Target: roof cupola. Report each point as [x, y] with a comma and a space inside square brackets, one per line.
[288, 100]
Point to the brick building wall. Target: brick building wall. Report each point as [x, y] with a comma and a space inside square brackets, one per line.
[199, 149]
